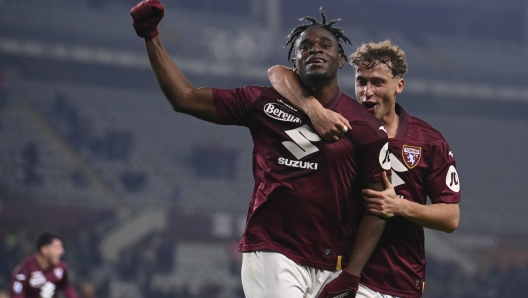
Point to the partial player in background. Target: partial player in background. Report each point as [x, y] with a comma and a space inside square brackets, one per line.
[307, 197]
[422, 163]
[43, 274]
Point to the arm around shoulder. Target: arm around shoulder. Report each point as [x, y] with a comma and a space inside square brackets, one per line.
[328, 124]
[289, 85]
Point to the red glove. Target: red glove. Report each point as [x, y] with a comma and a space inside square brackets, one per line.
[146, 17]
[343, 286]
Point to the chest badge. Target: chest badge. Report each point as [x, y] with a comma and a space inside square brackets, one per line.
[411, 155]
[58, 272]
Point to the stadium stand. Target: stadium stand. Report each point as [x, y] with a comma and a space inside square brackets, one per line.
[78, 130]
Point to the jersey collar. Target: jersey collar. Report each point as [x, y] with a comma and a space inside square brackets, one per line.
[333, 103]
[404, 122]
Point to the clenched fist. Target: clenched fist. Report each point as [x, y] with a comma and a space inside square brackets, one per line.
[146, 17]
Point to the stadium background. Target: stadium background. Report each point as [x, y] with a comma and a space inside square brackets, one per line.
[152, 203]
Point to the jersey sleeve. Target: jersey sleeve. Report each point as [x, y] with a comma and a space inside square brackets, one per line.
[19, 283]
[443, 183]
[234, 106]
[373, 153]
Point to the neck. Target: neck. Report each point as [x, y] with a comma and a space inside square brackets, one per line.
[323, 91]
[391, 121]
[43, 262]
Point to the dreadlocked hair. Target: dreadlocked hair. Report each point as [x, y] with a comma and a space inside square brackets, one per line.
[372, 54]
[336, 31]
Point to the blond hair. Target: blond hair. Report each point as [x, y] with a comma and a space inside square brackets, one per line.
[372, 54]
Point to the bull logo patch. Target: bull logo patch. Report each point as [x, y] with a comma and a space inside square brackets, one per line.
[58, 272]
[411, 155]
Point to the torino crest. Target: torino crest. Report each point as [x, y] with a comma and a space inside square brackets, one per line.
[411, 155]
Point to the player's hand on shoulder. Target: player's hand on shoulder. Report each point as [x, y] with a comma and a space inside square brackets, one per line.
[384, 203]
[331, 126]
[146, 16]
[343, 286]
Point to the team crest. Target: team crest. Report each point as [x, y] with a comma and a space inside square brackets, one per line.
[58, 272]
[411, 155]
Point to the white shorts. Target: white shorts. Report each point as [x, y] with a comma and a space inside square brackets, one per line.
[268, 274]
[364, 292]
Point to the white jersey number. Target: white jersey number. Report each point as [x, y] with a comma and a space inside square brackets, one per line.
[302, 138]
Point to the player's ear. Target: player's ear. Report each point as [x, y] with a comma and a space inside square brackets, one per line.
[401, 83]
[294, 65]
[341, 60]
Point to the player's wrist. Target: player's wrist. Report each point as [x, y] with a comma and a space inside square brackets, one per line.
[405, 207]
[313, 107]
[352, 272]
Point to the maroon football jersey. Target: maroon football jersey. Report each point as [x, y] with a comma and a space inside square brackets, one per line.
[422, 166]
[30, 281]
[304, 186]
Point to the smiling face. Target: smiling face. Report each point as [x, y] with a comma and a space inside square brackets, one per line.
[317, 56]
[376, 89]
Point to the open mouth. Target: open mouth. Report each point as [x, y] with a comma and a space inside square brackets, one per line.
[315, 61]
[369, 105]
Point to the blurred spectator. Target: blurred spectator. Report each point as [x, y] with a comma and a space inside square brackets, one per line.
[4, 294]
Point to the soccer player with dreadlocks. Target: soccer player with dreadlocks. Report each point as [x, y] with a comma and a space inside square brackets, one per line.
[306, 208]
[422, 163]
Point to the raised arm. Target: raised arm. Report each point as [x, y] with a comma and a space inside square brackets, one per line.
[328, 124]
[180, 93]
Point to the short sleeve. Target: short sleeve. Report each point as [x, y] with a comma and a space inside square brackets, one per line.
[373, 153]
[234, 106]
[19, 283]
[443, 183]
